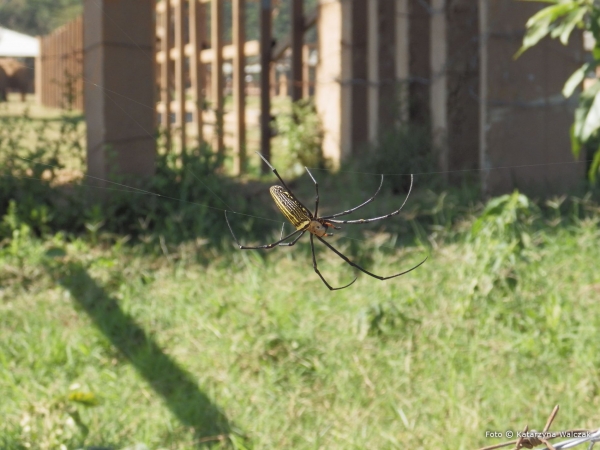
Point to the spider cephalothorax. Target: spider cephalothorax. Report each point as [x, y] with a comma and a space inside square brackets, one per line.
[319, 228]
[303, 220]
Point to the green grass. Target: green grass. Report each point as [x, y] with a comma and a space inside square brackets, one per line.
[110, 339]
[253, 347]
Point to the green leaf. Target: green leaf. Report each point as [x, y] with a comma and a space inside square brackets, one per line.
[575, 143]
[580, 115]
[591, 91]
[594, 167]
[594, 23]
[551, 13]
[533, 36]
[586, 99]
[85, 398]
[575, 80]
[573, 19]
[592, 120]
[541, 23]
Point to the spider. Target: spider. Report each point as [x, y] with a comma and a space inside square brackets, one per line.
[304, 221]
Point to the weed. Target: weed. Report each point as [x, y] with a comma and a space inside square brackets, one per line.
[301, 136]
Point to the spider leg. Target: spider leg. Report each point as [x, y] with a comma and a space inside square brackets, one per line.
[317, 202]
[286, 244]
[317, 189]
[267, 246]
[378, 218]
[348, 211]
[312, 247]
[345, 258]
[274, 170]
[289, 244]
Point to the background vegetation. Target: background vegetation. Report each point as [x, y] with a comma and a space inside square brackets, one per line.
[130, 321]
[38, 17]
[136, 323]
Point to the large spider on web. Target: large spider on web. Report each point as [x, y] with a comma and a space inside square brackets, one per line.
[304, 221]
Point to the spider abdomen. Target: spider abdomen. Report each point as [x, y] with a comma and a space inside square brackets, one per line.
[297, 214]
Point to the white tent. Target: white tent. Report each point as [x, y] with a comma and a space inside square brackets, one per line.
[18, 45]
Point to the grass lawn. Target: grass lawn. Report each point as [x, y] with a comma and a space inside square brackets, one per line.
[109, 343]
[255, 348]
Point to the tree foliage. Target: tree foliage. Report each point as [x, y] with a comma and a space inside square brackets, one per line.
[38, 17]
[558, 20]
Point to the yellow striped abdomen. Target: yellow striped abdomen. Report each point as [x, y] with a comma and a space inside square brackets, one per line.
[290, 207]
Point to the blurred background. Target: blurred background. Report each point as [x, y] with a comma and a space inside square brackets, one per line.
[131, 320]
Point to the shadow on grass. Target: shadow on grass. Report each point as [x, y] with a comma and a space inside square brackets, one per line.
[176, 386]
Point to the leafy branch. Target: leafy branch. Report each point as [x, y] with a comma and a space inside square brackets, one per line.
[558, 21]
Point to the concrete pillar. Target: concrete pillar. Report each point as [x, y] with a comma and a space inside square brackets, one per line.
[438, 95]
[373, 44]
[401, 57]
[388, 88]
[462, 82]
[341, 76]
[383, 99]
[524, 119]
[357, 94]
[419, 62]
[119, 89]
